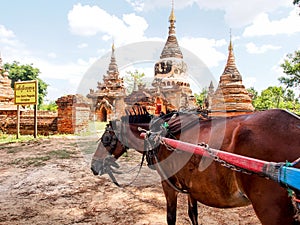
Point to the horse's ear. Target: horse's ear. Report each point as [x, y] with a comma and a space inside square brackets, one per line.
[140, 110]
[145, 110]
[134, 110]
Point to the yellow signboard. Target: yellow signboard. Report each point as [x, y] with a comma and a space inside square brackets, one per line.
[26, 92]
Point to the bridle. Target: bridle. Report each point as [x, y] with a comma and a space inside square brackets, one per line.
[108, 162]
[111, 139]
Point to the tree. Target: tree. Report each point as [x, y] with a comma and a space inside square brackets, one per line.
[277, 97]
[51, 106]
[253, 93]
[133, 79]
[295, 2]
[201, 97]
[291, 67]
[27, 72]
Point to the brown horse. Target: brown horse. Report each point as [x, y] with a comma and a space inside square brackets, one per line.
[271, 135]
[107, 153]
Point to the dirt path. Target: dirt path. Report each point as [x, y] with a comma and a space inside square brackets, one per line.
[49, 182]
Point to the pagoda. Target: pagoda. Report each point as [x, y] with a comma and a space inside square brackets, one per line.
[170, 81]
[108, 99]
[231, 96]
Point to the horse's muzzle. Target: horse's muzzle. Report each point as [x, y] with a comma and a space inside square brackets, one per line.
[97, 167]
[94, 171]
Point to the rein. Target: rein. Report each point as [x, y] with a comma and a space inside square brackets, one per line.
[110, 171]
[151, 144]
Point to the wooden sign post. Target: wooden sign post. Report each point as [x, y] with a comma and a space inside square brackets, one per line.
[26, 93]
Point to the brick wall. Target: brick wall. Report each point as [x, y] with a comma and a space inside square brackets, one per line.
[73, 114]
[46, 123]
[72, 117]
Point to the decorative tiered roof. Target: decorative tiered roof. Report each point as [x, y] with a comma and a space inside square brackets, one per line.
[112, 85]
[171, 49]
[171, 70]
[231, 94]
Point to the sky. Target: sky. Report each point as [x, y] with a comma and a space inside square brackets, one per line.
[70, 41]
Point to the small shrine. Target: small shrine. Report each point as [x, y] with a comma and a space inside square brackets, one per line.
[231, 96]
[108, 99]
[6, 93]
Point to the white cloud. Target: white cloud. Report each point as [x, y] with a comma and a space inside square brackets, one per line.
[82, 45]
[237, 13]
[205, 49]
[5, 33]
[146, 5]
[254, 49]
[52, 55]
[138, 5]
[7, 37]
[262, 25]
[85, 20]
[249, 81]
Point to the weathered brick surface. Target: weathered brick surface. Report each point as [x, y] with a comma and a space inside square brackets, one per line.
[6, 92]
[72, 117]
[73, 114]
[46, 123]
[231, 97]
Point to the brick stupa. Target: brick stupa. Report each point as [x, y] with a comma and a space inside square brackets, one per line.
[231, 96]
[6, 92]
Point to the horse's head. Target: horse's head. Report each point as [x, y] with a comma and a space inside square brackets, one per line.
[118, 136]
[108, 151]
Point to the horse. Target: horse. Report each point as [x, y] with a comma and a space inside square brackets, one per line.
[109, 150]
[271, 135]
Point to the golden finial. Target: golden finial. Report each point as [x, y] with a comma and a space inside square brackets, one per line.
[230, 47]
[172, 15]
[0, 61]
[113, 46]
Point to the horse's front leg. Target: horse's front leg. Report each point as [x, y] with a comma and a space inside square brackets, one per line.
[171, 197]
[193, 210]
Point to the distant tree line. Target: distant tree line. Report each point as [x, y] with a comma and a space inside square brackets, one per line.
[19, 72]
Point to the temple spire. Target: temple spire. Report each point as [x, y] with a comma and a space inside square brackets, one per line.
[230, 59]
[171, 48]
[1, 66]
[172, 20]
[113, 67]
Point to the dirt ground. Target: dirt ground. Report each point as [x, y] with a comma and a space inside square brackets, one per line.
[48, 181]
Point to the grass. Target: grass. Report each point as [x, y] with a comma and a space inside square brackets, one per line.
[41, 159]
[94, 127]
[31, 161]
[61, 154]
[11, 138]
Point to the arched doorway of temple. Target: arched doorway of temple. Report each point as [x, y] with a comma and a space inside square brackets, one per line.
[158, 106]
[102, 114]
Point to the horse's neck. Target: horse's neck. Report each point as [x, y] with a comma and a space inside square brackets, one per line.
[133, 137]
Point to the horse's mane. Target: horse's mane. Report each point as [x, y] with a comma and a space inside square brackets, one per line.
[137, 114]
[177, 121]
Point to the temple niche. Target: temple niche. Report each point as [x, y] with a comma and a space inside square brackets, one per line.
[231, 97]
[108, 100]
